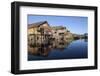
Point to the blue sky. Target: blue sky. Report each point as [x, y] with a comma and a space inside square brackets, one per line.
[76, 24]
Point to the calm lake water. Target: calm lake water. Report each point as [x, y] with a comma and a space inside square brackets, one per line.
[59, 50]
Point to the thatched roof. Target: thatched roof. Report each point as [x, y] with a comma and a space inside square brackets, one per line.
[37, 24]
[58, 27]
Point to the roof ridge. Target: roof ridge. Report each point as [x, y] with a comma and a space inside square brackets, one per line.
[37, 22]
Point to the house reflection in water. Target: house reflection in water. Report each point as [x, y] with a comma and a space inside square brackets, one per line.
[45, 49]
[51, 42]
